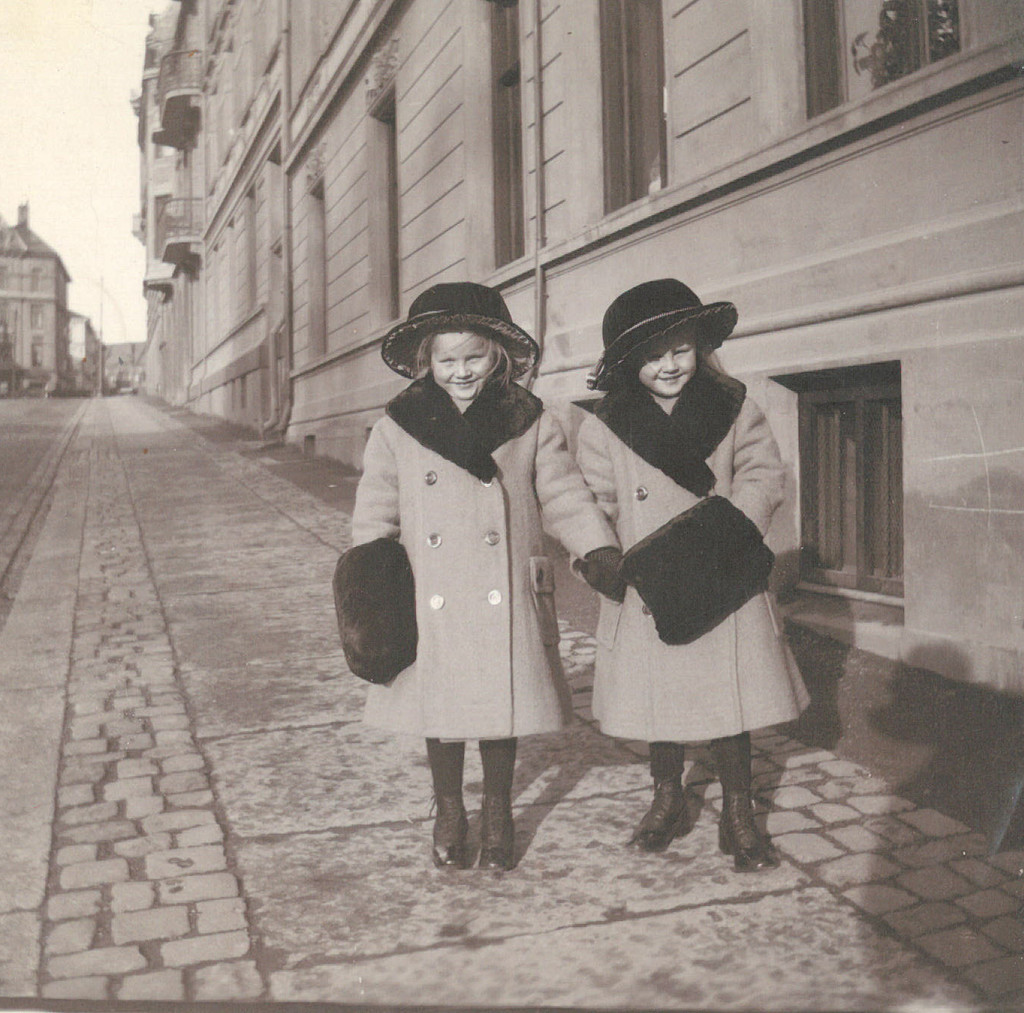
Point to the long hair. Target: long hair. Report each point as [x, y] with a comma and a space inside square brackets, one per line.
[500, 374]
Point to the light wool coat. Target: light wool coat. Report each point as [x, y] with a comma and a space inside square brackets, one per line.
[739, 675]
[487, 662]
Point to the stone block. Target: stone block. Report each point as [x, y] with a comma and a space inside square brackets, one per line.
[76, 795]
[805, 759]
[162, 709]
[228, 982]
[124, 726]
[794, 797]
[71, 936]
[182, 761]
[80, 904]
[139, 741]
[186, 861]
[133, 787]
[856, 869]
[1008, 932]
[879, 899]
[858, 839]
[86, 874]
[988, 903]
[932, 823]
[959, 947]
[105, 960]
[178, 820]
[94, 988]
[131, 896]
[139, 847]
[115, 830]
[191, 799]
[833, 812]
[168, 986]
[152, 923]
[99, 812]
[169, 722]
[879, 805]
[925, 918]
[203, 949]
[843, 768]
[806, 847]
[74, 853]
[787, 822]
[138, 808]
[187, 780]
[936, 883]
[1010, 862]
[174, 737]
[220, 915]
[85, 747]
[187, 889]
[978, 872]
[942, 850]
[136, 768]
[211, 833]
[998, 977]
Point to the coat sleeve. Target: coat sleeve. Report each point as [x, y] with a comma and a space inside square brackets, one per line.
[568, 509]
[758, 474]
[596, 464]
[376, 513]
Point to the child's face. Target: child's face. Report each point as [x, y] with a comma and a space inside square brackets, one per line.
[668, 367]
[461, 362]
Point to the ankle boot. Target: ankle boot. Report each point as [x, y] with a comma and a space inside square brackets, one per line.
[665, 820]
[450, 825]
[450, 830]
[738, 833]
[497, 833]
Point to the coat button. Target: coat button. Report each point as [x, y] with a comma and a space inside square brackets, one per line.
[494, 597]
[430, 477]
[486, 482]
[437, 601]
[641, 493]
[434, 540]
[492, 538]
[646, 611]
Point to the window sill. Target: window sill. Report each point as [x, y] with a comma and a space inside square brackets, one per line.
[875, 626]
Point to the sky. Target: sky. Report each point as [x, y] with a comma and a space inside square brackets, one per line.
[68, 70]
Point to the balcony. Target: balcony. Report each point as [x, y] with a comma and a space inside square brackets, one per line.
[179, 231]
[179, 92]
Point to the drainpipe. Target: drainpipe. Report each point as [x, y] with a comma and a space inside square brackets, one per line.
[281, 407]
[538, 187]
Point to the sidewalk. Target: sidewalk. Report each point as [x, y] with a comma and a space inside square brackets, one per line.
[193, 811]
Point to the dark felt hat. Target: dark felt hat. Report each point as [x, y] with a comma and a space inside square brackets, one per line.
[458, 306]
[651, 310]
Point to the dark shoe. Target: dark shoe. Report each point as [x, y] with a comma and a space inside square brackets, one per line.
[497, 834]
[450, 830]
[665, 820]
[740, 836]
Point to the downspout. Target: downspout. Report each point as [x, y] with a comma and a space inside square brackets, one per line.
[281, 409]
[538, 194]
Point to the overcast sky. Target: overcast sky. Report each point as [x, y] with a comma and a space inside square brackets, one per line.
[68, 69]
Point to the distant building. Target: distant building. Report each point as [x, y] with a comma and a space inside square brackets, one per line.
[123, 367]
[84, 354]
[33, 312]
[848, 173]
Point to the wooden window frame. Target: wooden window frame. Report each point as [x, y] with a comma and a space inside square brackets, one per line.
[507, 133]
[383, 207]
[316, 268]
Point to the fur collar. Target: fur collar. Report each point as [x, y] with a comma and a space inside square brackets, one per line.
[426, 412]
[678, 444]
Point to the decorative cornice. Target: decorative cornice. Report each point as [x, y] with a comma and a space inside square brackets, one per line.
[380, 75]
[316, 163]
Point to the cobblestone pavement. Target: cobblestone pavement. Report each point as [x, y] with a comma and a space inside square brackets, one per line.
[193, 811]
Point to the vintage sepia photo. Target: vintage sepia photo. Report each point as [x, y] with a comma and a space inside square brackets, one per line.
[512, 505]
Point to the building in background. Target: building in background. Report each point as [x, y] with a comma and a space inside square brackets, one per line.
[848, 173]
[33, 312]
[124, 367]
[85, 355]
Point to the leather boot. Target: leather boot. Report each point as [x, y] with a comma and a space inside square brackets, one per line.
[738, 833]
[497, 830]
[665, 820]
[450, 824]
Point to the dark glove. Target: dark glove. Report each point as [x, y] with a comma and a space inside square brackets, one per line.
[600, 569]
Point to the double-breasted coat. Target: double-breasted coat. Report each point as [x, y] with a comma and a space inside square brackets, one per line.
[487, 662]
[739, 675]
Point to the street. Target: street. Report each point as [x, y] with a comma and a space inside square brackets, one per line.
[192, 810]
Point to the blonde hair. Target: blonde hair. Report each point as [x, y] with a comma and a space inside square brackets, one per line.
[501, 372]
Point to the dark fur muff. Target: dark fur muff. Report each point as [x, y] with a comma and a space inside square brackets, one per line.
[375, 602]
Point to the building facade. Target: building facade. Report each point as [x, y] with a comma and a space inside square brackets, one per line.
[848, 173]
[34, 315]
[85, 354]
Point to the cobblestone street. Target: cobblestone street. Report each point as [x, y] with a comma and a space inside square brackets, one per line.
[193, 811]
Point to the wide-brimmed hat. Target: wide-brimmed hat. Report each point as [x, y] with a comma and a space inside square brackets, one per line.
[458, 306]
[651, 310]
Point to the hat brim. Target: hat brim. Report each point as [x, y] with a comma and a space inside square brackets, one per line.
[709, 325]
[401, 344]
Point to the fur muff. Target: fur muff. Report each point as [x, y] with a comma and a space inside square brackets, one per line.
[698, 568]
[375, 602]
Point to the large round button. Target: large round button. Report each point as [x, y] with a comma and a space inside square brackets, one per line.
[486, 482]
[492, 538]
[434, 540]
[641, 493]
[430, 477]
[494, 597]
[437, 601]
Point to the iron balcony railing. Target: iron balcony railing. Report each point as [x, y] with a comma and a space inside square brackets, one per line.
[179, 226]
[181, 70]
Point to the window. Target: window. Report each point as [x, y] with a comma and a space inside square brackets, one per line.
[316, 268]
[37, 355]
[36, 317]
[383, 200]
[3, 277]
[855, 46]
[249, 253]
[507, 116]
[632, 85]
[36, 280]
[851, 467]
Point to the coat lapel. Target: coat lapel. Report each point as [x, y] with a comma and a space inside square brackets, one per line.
[678, 444]
[498, 415]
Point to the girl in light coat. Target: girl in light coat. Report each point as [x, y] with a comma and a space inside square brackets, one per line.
[464, 469]
[672, 430]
